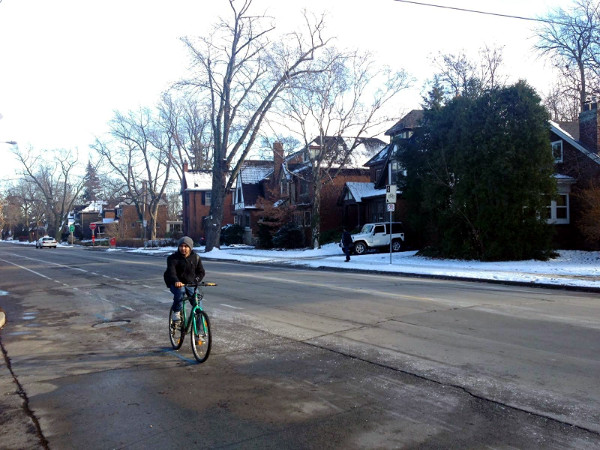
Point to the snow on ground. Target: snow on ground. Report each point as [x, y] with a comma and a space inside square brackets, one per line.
[572, 268]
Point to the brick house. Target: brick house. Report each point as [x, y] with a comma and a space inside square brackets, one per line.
[120, 220]
[288, 182]
[575, 146]
[365, 202]
[196, 191]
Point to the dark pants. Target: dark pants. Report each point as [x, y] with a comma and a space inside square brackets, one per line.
[178, 294]
[347, 252]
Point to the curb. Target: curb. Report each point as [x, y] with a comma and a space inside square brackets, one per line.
[271, 263]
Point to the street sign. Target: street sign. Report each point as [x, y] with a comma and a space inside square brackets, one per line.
[92, 226]
[71, 228]
[391, 207]
[390, 193]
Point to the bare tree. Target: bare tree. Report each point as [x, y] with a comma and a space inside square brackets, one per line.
[140, 157]
[334, 112]
[490, 67]
[188, 124]
[56, 183]
[570, 38]
[562, 101]
[459, 75]
[241, 72]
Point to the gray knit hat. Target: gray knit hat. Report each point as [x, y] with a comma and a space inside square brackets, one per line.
[187, 241]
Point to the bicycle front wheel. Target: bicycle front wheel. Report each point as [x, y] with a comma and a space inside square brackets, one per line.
[201, 336]
[176, 332]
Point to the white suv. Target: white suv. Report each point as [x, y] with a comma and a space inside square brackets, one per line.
[376, 235]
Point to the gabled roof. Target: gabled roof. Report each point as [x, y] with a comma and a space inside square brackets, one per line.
[253, 172]
[94, 206]
[409, 122]
[198, 181]
[556, 129]
[380, 157]
[360, 190]
[364, 150]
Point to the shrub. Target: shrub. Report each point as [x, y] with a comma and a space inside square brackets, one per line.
[330, 236]
[289, 236]
[232, 234]
[265, 239]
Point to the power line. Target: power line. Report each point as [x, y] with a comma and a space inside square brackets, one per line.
[487, 13]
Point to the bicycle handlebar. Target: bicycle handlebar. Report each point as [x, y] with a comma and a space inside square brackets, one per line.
[202, 283]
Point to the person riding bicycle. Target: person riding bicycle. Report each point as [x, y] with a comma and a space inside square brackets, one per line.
[183, 267]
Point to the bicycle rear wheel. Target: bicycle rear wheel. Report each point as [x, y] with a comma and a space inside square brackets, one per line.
[201, 336]
[176, 332]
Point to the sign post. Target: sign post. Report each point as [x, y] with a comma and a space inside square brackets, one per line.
[71, 230]
[390, 200]
[93, 228]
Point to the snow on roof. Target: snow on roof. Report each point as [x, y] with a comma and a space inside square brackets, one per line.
[255, 174]
[381, 156]
[94, 206]
[363, 190]
[363, 152]
[198, 181]
[567, 137]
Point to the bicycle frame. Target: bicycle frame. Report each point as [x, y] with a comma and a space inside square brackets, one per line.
[195, 298]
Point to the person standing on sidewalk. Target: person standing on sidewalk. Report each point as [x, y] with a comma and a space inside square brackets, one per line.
[347, 243]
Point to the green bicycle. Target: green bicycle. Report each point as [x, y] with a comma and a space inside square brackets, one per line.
[194, 321]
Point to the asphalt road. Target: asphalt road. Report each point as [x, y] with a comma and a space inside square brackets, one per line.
[301, 359]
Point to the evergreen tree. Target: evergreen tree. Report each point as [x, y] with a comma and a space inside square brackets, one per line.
[479, 172]
[92, 186]
[435, 95]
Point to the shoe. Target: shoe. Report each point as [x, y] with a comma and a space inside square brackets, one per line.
[347, 260]
[176, 316]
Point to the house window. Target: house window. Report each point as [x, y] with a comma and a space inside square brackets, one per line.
[284, 187]
[298, 219]
[207, 197]
[558, 210]
[557, 151]
[307, 219]
[303, 187]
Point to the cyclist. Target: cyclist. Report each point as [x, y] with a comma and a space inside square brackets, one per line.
[183, 267]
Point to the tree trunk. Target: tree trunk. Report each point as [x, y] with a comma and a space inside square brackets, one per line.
[316, 212]
[212, 225]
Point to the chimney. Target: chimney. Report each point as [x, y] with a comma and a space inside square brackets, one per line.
[277, 157]
[589, 127]
[185, 167]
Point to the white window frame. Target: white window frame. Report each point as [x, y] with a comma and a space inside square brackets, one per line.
[553, 209]
[560, 145]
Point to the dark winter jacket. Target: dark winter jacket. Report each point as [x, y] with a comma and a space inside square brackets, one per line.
[346, 239]
[187, 270]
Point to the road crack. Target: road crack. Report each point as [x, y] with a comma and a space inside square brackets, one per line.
[26, 407]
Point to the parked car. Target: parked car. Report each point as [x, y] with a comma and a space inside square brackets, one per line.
[46, 241]
[376, 236]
